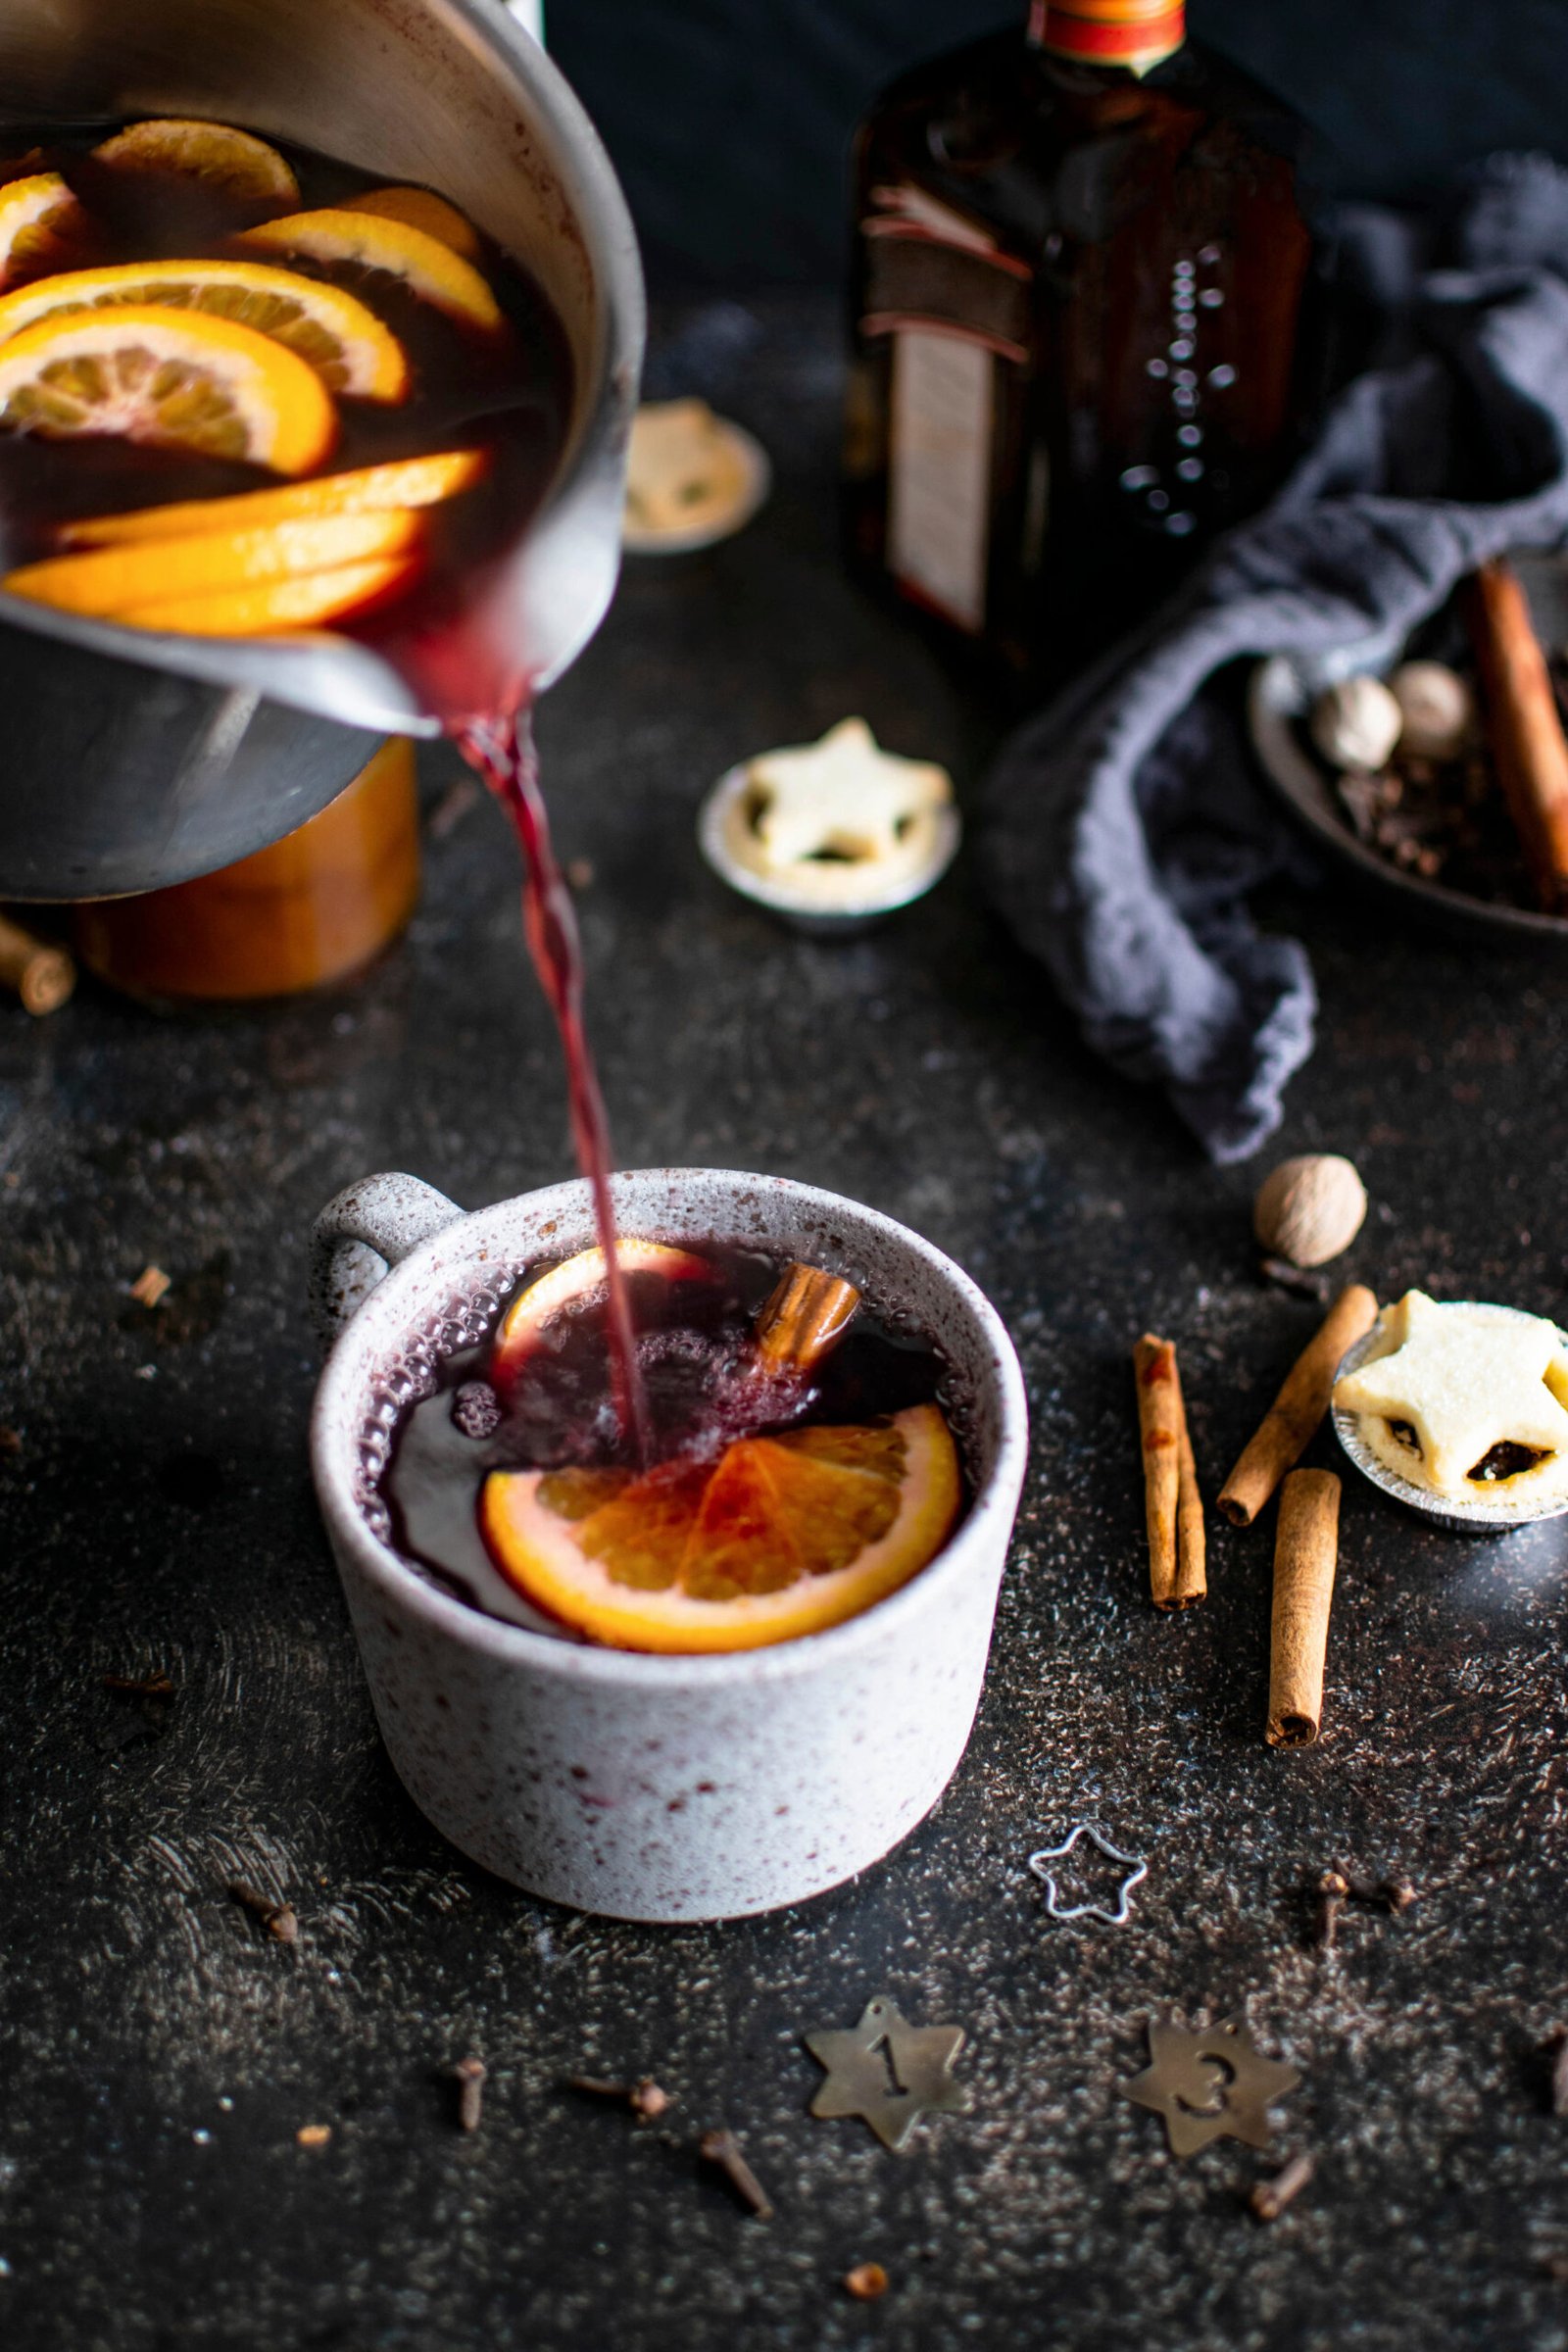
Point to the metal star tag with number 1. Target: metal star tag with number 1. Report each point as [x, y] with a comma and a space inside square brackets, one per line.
[888, 2071]
[1209, 2084]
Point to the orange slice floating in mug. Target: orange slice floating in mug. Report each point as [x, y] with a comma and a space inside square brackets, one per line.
[37, 214]
[783, 1535]
[311, 602]
[178, 379]
[400, 484]
[423, 209]
[234, 162]
[336, 237]
[525, 1325]
[107, 582]
[351, 349]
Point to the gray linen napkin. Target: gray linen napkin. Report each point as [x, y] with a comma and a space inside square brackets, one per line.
[1123, 827]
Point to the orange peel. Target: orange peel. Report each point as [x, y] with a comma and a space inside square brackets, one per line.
[309, 601]
[523, 1326]
[783, 1536]
[105, 582]
[178, 379]
[34, 215]
[423, 209]
[338, 238]
[351, 349]
[400, 484]
[236, 162]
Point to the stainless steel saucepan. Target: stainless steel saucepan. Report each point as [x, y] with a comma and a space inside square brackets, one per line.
[128, 760]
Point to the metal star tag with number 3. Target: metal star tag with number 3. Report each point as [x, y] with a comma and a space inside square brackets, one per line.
[1209, 2084]
[888, 2071]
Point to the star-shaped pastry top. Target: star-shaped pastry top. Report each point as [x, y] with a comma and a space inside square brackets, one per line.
[888, 2071]
[1210, 2084]
[837, 815]
[1463, 1378]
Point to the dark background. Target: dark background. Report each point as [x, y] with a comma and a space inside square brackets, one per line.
[729, 121]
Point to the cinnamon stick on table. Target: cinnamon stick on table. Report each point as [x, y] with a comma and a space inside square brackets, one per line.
[1172, 1504]
[1305, 1553]
[40, 973]
[1524, 733]
[1289, 1425]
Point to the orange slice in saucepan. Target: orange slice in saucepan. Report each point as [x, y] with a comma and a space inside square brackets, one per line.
[180, 378]
[781, 1537]
[308, 602]
[351, 349]
[108, 581]
[235, 163]
[400, 484]
[420, 207]
[35, 216]
[340, 238]
[526, 1326]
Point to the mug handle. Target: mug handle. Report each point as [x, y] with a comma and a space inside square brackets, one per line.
[360, 1234]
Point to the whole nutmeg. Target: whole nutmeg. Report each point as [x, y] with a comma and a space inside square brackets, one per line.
[1439, 709]
[1310, 1208]
[1356, 723]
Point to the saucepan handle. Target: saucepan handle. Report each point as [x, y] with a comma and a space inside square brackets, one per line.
[366, 1230]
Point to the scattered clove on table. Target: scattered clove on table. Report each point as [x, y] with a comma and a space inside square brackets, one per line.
[139, 1685]
[723, 2150]
[1333, 1894]
[471, 2079]
[1269, 2198]
[646, 2099]
[281, 1920]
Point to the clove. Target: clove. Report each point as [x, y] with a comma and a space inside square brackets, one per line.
[1397, 1894]
[470, 2077]
[1269, 2198]
[139, 1685]
[646, 2099]
[723, 2150]
[1296, 1279]
[278, 1919]
[1334, 1892]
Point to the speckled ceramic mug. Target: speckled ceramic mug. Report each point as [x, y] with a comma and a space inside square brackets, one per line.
[652, 1788]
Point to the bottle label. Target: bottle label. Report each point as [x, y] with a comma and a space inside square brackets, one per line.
[938, 474]
[956, 307]
[1134, 35]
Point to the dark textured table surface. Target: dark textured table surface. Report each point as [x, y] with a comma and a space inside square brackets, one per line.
[162, 2052]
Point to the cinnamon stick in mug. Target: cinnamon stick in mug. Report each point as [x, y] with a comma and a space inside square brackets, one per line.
[1289, 1425]
[1171, 1504]
[1307, 1551]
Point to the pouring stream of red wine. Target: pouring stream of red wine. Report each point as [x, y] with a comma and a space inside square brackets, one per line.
[503, 752]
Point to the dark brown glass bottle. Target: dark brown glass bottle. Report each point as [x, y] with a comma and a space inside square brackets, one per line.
[1081, 257]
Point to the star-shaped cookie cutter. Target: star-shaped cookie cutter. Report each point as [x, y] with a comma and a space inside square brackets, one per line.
[1135, 1863]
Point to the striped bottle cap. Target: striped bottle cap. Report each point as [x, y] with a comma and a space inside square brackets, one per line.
[1132, 34]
